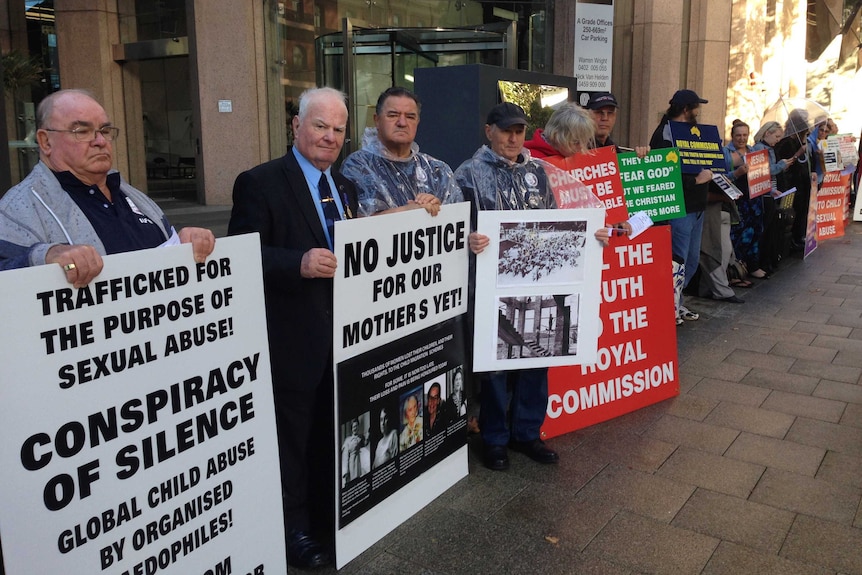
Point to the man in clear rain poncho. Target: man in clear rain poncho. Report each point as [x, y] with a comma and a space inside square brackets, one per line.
[389, 171]
[503, 176]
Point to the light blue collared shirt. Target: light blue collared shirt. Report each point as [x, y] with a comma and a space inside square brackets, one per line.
[312, 177]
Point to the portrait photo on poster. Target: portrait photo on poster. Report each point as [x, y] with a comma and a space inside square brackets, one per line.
[355, 448]
[543, 253]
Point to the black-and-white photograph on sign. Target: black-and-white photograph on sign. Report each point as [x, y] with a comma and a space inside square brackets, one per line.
[537, 289]
[137, 417]
[538, 326]
[546, 253]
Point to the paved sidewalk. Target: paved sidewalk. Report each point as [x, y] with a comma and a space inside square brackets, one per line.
[756, 468]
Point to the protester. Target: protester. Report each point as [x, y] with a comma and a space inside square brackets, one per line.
[603, 108]
[289, 202]
[766, 137]
[745, 235]
[685, 231]
[72, 208]
[794, 146]
[389, 171]
[503, 176]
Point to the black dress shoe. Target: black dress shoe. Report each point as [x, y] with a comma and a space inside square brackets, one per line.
[496, 458]
[731, 299]
[536, 450]
[304, 552]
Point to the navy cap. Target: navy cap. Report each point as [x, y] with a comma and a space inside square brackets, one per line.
[506, 114]
[601, 100]
[686, 98]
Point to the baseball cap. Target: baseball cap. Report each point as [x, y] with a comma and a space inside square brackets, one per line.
[506, 114]
[686, 98]
[601, 100]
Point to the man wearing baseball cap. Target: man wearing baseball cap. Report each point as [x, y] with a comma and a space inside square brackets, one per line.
[603, 108]
[686, 231]
[503, 176]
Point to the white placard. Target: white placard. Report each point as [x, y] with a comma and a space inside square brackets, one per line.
[537, 289]
[594, 45]
[137, 417]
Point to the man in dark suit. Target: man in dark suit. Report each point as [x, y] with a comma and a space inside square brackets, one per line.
[290, 202]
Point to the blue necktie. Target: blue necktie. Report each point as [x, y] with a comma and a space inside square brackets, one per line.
[330, 209]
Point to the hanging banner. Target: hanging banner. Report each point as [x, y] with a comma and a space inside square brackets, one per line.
[637, 358]
[594, 45]
[399, 308]
[653, 184]
[759, 178]
[137, 417]
[537, 286]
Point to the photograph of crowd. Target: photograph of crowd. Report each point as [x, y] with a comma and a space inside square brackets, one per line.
[537, 326]
[544, 253]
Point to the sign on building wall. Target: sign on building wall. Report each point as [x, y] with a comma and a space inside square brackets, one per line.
[594, 45]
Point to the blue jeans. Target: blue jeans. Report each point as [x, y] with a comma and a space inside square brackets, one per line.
[685, 241]
[526, 404]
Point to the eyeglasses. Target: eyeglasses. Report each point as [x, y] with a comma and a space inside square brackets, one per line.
[84, 134]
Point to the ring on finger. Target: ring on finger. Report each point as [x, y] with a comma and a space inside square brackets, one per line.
[69, 267]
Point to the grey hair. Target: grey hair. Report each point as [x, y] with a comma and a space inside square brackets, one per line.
[46, 106]
[314, 95]
[570, 127]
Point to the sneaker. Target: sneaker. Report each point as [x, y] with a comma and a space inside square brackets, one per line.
[687, 314]
[679, 320]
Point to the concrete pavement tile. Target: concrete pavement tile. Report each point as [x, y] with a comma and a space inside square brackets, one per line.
[805, 406]
[813, 315]
[812, 540]
[483, 492]
[381, 563]
[767, 321]
[778, 453]
[725, 371]
[841, 343]
[831, 501]
[545, 557]
[839, 391]
[730, 392]
[804, 352]
[727, 342]
[733, 559]
[735, 519]
[753, 419]
[649, 546]
[841, 468]
[791, 382]
[641, 493]
[573, 521]
[691, 407]
[679, 431]
[760, 360]
[846, 320]
[461, 544]
[722, 474]
[822, 329]
[832, 436]
[797, 337]
[852, 415]
[848, 358]
[827, 370]
[633, 451]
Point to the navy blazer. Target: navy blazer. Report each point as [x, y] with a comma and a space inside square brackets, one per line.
[274, 200]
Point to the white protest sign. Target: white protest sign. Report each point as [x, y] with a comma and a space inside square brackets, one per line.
[137, 418]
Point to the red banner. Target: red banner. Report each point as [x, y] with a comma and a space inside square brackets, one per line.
[759, 180]
[599, 171]
[637, 344]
